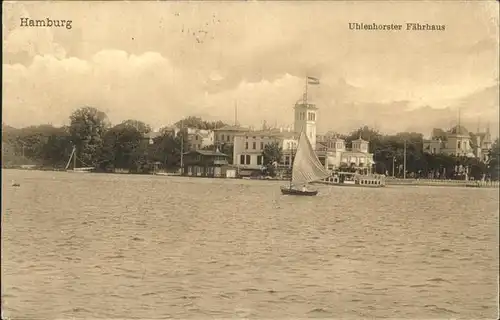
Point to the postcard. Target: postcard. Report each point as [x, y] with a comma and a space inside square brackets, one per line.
[250, 159]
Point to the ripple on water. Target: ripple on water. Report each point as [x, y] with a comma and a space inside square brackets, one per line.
[221, 249]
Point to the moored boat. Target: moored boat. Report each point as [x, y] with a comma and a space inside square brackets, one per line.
[292, 191]
[76, 169]
[349, 179]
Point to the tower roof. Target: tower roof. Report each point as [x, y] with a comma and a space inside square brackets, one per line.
[360, 140]
[310, 106]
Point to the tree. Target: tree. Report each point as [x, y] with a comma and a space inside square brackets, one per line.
[272, 155]
[199, 123]
[142, 127]
[56, 150]
[494, 160]
[167, 150]
[43, 144]
[121, 148]
[87, 129]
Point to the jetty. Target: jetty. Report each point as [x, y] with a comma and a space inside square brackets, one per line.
[444, 183]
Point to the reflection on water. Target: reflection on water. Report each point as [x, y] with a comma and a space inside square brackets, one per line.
[150, 247]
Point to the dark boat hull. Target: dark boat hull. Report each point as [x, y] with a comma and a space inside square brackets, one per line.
[295, 192]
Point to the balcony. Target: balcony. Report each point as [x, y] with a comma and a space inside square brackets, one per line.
[220, 162]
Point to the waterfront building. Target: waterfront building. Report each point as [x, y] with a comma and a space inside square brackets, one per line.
[334, 154]
[204, 163]
[458, 141]
[332, 151]
[249, 145]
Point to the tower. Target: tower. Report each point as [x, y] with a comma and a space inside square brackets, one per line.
[305, 120]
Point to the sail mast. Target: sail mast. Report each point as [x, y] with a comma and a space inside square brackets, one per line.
[236, 113]
[182, 146]
[70, 157]
[291, 160]
[74, 159]
[304, 98]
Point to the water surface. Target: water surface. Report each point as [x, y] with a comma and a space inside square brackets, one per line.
[150, 247]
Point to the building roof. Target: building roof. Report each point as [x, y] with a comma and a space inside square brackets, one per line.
[335, 139]
[152, 135]
[458, 129]
[208, 153]
[360, 140]
[273, 133]
[232, 128]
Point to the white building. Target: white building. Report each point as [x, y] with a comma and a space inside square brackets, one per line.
[459, 141]
[198, 139]
[248, 147]
[249, 144]
[334, 154]
[305, 120]
[226, 134]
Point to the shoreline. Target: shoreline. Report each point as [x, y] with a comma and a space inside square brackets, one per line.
[389, 181]
[442, 183]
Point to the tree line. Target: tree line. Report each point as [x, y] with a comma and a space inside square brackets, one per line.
[98, 144]
[127, 146]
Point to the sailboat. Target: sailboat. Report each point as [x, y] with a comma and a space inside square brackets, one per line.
[75, 169]
[306, 169]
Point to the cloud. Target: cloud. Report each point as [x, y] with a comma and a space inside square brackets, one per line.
[179, 59]
[112, 80]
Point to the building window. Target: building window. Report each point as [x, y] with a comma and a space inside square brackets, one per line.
[228, 137]
[458, 144]
[247, 159]
[246, 145]
[242, 159]
[262, 145]
[254, 145]
[222, 137]
[259, 160]
[434, 150]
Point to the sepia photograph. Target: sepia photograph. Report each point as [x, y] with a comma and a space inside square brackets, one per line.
[250, 160]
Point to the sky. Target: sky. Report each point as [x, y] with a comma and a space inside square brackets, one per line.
[141, 60]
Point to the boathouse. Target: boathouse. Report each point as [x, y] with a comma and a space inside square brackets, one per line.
[205, 163]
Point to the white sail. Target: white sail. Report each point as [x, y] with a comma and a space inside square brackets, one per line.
[306, 165]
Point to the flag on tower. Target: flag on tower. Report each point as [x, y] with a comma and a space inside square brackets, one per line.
[312, 80]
